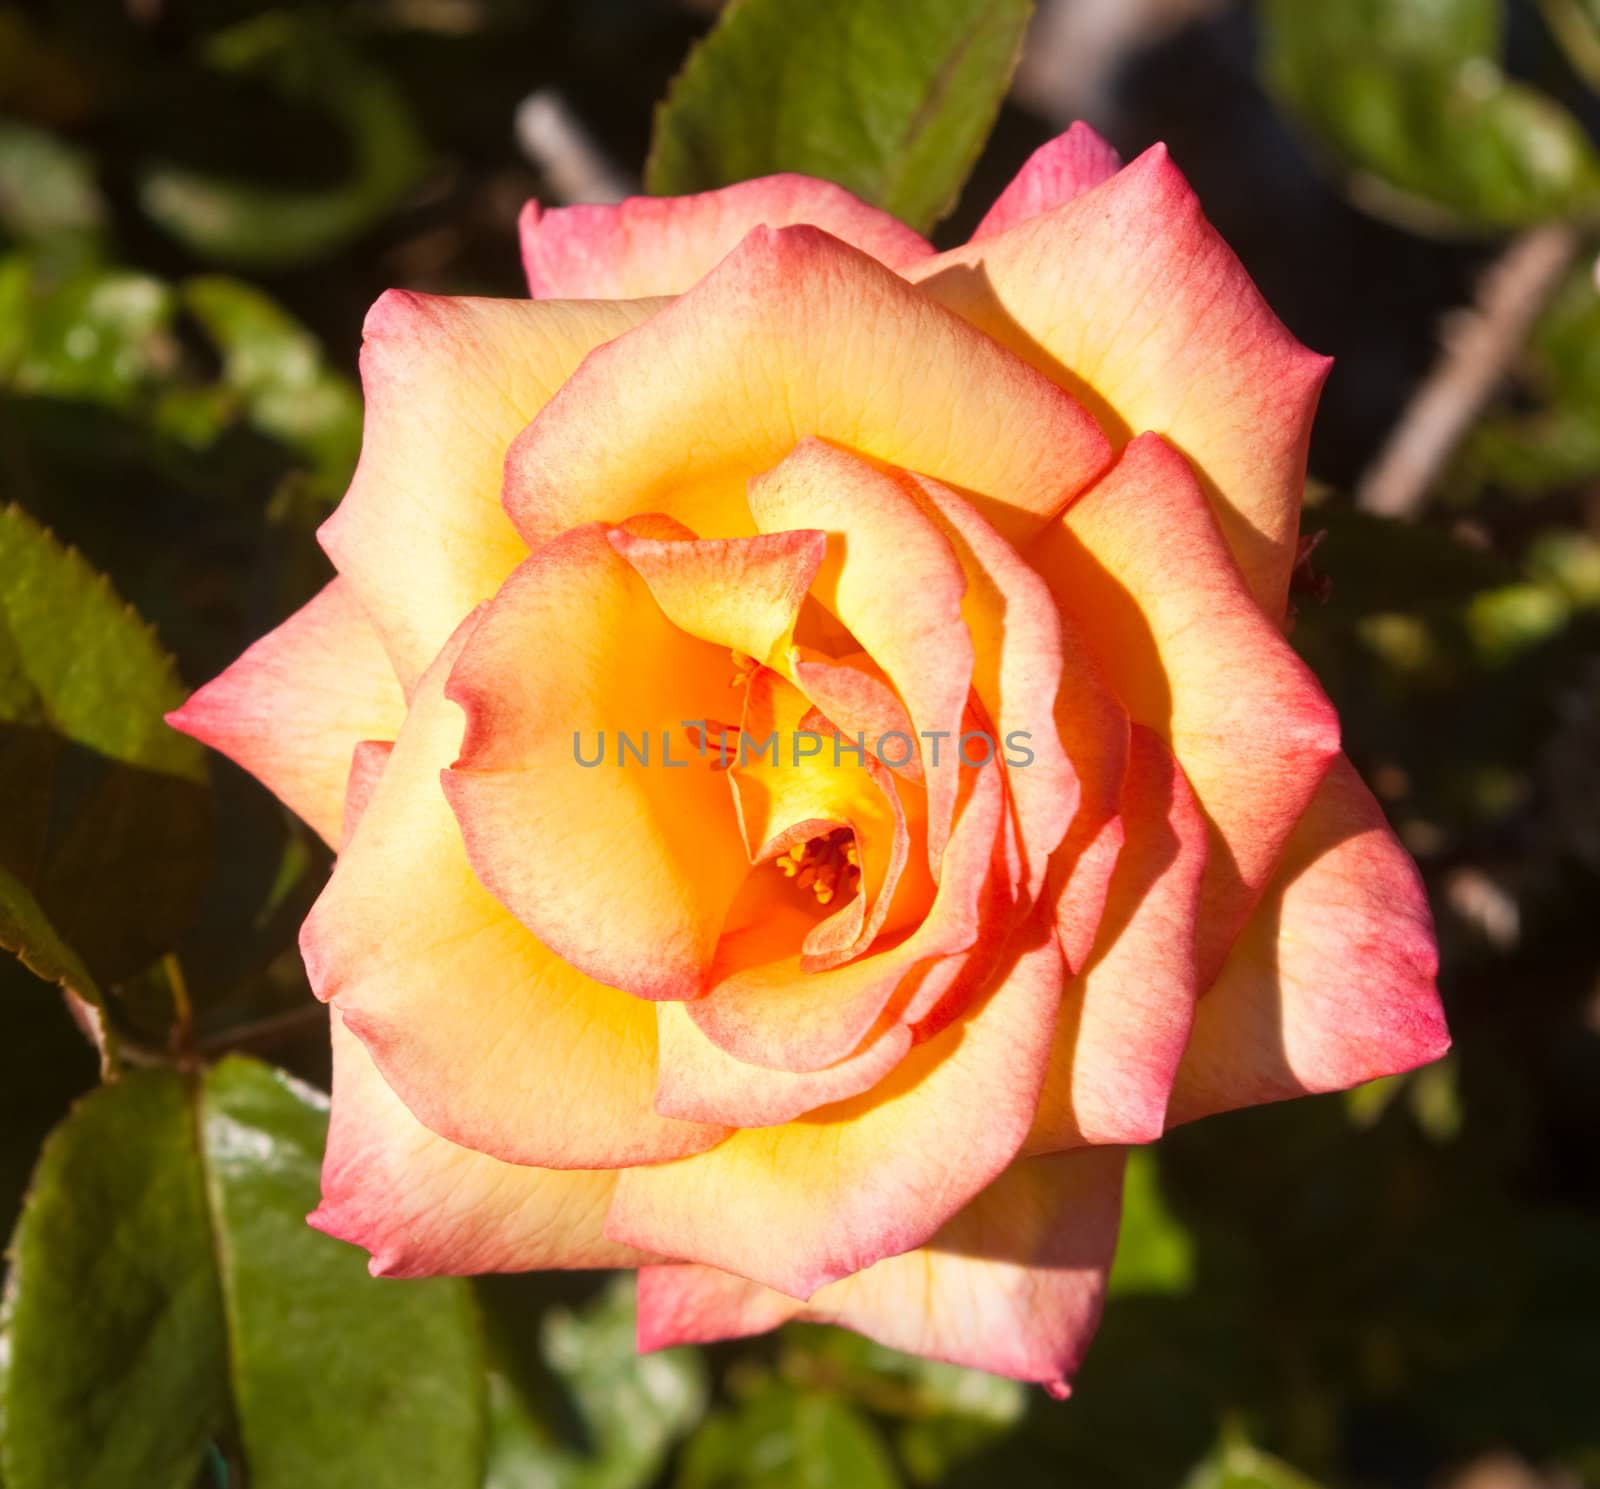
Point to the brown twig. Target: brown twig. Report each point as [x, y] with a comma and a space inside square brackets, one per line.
[273, 1029]
[1480, 345]
[574, 166]
[1077, 48]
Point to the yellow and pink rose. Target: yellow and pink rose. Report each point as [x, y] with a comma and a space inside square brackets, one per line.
[859, 1035]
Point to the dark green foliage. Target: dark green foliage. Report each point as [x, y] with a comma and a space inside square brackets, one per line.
[104, 839]
[1412, 96]
[892, 100]
[115, 1363]
[166, 1292]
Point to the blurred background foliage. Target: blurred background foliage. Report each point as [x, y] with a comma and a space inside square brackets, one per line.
[1399, 1287]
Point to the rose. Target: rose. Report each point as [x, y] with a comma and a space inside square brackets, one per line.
[825, 1037]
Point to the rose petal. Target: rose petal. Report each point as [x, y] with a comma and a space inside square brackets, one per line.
[796, 334]
[425, 1208]
[1014, 1284]
[893, 579]
[1141, 562]
[1018, 670]
[1058, 172]
[1094, 730]
[1332, 982]
[1125, 1018]
[295, 705]
[449, 383]
[367, 765]
[741, 593]
[858, 699]
[689, 1303]
[801, 1205]
[489, 1038]
[666, 245]
[700, 1082]
[1128, 297]
[625, 869]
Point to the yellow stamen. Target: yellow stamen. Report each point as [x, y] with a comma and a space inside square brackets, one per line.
[828, 865]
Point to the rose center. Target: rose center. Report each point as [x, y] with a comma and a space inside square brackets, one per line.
[828, 865]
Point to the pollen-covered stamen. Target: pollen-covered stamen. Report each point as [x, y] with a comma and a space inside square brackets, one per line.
[743, 668]
[829, 866]
[719, 741]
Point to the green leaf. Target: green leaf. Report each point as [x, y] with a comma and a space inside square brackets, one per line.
[1576, 24]
[1507, 622]
[892, 1382]
[241, 222]
[1533, 453]
[100, 335]
[590, 1412]
[1563, 570]
[107, 815]
[945, 1415]
[16, 284]
[781, 1438]
[1566, 342]
[1413, 99]
[339, 1379]
[278, 370]
[166, 1292]
[48, 196]
[1415, 30]
[78, 661]
[1155, 1254]
[1558, 443]
[114, 1366]
[892, 99]
[1237, 1465]
[110, 337]
[26, 932]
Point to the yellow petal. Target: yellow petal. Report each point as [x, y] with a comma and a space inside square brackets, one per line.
[425, 1208]
[622, 860]
[801, 1205]
[796, 334]
[449, 384]
[488, 1037]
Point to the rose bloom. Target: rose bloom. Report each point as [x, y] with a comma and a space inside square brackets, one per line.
[834, 1039]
